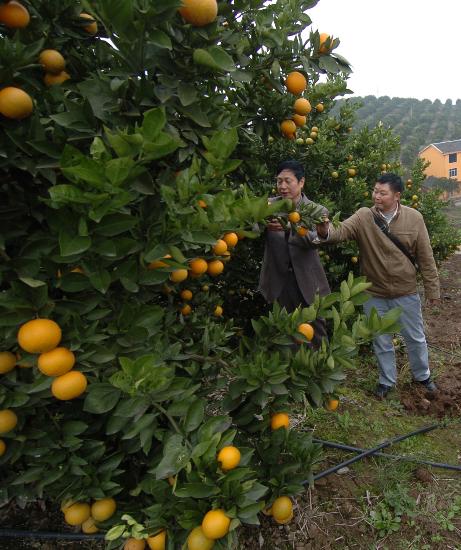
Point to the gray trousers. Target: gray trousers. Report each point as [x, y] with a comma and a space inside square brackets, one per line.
[412, 330]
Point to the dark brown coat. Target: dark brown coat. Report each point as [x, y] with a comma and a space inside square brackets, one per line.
[300, 253]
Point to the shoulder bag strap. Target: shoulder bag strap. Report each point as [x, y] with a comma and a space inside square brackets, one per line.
[383, 226]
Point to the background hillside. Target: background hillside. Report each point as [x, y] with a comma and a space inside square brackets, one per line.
[417, 122]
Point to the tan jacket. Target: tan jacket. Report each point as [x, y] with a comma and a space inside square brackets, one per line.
[284, 251]
[391, 273]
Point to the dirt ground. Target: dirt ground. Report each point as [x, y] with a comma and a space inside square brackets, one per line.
[349, 509]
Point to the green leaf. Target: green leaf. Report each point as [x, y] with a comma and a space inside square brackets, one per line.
[187, 93]
[160, 39]
[118, 170]
[163, 145]
[214, 58]
[101, 397]
[194, 415]
[34, 283]
[175, 456]
[100, 279]
[196, 490]
[73, 244]
[114, 224]
[153, 123]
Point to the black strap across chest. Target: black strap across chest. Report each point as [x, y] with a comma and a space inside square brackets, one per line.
[384, 227]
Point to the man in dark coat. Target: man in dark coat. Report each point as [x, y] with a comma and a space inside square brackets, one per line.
[292, 273]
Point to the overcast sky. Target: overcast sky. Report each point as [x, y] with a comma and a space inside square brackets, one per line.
[399, 48]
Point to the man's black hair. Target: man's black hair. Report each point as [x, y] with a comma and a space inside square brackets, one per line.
[393, 180]
[296, 167]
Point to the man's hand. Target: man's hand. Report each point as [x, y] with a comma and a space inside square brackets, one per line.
[433, 302]
[274, 225]
[322, 228]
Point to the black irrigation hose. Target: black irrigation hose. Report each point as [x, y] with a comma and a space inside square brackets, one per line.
[19, 534]
[369, 452]
[386, 455]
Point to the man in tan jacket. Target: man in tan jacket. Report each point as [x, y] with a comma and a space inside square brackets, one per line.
[393, 274]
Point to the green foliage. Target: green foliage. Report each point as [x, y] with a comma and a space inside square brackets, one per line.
[154, 149]
[389, 513]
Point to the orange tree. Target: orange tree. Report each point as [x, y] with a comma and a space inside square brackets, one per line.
[123, 193]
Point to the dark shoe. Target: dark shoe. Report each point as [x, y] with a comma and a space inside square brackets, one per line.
[382, 390]
[428, 385]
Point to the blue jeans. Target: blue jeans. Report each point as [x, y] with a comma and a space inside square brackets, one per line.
[412, 330]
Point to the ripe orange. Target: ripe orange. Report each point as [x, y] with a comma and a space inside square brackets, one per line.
[15, 103]
[202, 203]
[156, 264]
[56, 362]
[2, 447]
[69, 385]
[178, 275]
[186, 295]
[285, 520]
[288, 127]
[199, 12]
[7, 361]
[229, 457]
[215, 267]
[220, 247]
[332, 404]
[89, 527]
[55, 79]
[186, 310]
[91, 28]
[215, 524]
[294, 217]
[314, 129]
[39, 335]
[52, 61]
[320, 108]
[280, 420]
[282, 508]
[198, 266]
[197, 540]
[134, 544]
[302, 231]
[324, 37]
[157, 542]
[302, 106]
[307, 330]
[299, 120]
[77, 513]
[230, 239]
[296, 82]
[103, 509]
[218, 311]
[14, 15]
[8, 421]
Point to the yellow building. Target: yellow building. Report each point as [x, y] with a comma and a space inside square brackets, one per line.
[445, 162]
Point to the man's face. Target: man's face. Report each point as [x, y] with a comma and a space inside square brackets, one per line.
[384, 198]
[288, 185]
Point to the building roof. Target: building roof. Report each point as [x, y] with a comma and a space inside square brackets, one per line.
[446, 147]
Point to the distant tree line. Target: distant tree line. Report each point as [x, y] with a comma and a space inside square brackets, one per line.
[417, 122]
